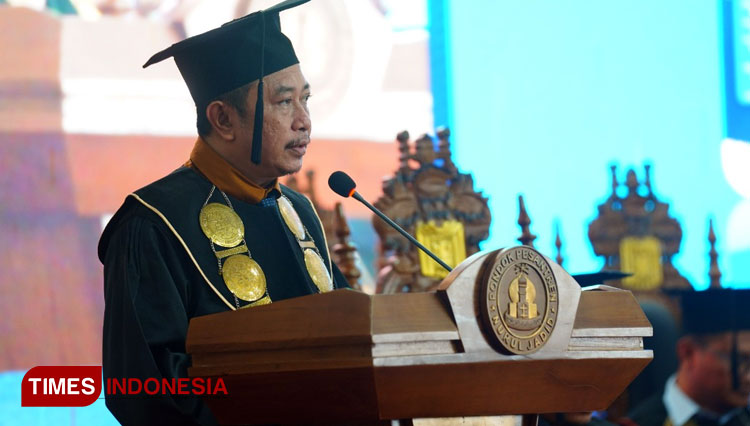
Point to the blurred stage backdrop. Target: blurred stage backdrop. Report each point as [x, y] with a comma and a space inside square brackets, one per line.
[541, 99]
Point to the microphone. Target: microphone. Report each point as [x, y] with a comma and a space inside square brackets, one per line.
[343, 185]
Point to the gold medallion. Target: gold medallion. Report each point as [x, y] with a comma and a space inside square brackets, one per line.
[221, 225]
[317, 270]
[244, 277]
[291, 218]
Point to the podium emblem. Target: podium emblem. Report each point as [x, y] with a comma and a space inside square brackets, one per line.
[519, 302]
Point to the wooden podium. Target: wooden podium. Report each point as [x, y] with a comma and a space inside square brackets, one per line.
[348, 357]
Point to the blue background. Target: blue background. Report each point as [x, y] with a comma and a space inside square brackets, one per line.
[543, 96]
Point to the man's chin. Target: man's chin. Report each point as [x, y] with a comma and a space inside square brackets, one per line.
[739, 399]
[290, 169]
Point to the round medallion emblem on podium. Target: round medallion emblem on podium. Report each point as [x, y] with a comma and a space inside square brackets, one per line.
[519, 300]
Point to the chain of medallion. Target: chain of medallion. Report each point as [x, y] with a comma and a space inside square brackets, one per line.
[242, 275]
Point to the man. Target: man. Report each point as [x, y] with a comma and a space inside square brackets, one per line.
[712, 383]
[219, 233]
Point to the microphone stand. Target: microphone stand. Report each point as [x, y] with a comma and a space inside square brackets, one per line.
[401, 231]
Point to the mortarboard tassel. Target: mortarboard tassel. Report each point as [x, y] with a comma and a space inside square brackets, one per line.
[734, 362]
[256, 150]
[733, 356]
[258, 126]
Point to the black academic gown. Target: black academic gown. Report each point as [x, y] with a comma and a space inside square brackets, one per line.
[652, 412]
[560, 422]
[159, 272]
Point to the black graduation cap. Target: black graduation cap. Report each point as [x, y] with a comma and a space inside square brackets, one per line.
[237, 53]
[594, 278]
[716, 311]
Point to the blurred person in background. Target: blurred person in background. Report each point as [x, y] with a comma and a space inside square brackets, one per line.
[712, 383]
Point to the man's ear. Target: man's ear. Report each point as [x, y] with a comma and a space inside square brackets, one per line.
[686, 349]
[222, 118]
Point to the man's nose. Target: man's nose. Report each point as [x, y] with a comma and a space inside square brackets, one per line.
[301, 119]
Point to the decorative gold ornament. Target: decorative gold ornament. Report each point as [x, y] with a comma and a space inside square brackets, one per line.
[221, 225]
[265, 300]
[522, 310]
[293, 222]
[522, 293]
[446, 241]
[242, 248]
[642, 258]
[317, 270]
[244, 277]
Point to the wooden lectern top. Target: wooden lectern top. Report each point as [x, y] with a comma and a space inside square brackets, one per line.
[507, 332]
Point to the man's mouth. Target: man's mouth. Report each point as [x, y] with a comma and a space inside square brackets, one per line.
[299, 147]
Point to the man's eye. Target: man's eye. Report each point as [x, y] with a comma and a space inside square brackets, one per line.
[306, 98]
[286, 101]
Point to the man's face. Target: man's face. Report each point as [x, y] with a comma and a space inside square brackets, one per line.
[286, 124]
[710, 369]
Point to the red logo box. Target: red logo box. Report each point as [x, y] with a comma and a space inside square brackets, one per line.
[61, 386]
